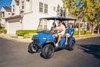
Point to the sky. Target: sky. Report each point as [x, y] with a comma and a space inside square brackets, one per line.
[5, 3]
[8, 2]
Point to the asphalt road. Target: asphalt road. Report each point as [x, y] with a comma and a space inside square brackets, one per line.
[15, 54]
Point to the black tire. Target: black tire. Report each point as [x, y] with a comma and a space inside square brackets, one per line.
[71, 46]
[31, 48]
[47, 51]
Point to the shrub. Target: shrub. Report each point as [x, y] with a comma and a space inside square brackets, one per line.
[88, 32]
[29, 35]
[25, 33]
[3, 30]
[82, 32]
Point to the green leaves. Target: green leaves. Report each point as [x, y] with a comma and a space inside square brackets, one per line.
[84, 10]
[89, 11]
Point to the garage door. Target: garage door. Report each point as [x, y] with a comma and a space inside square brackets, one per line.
[13, 26]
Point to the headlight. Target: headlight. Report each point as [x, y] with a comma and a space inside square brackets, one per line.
[36, 34]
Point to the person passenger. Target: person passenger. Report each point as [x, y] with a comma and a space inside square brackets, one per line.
[61, 31]
[69, 32]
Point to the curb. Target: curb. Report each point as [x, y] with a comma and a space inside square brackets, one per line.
[96, 35]
[15, 39]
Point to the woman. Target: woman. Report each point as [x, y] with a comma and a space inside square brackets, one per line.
[69, 32]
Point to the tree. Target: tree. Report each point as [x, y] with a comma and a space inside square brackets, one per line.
[97, 15]
[74, 9]
[93, 13]
[84, 10]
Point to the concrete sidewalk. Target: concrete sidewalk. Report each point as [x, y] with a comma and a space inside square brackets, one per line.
[13, 37]
[28, 40]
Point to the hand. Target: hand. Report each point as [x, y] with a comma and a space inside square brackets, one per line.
[53, 28]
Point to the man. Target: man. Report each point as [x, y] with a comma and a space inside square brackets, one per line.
[61, 32]
[69, 32]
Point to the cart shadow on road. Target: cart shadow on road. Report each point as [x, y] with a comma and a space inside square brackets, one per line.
[91, 49]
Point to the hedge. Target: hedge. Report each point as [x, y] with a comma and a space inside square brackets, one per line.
[82, 32]
[88, 32]
[29, 33]
[2, 30]
[24, 32]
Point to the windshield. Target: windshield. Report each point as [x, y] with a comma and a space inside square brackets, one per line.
[46, 25]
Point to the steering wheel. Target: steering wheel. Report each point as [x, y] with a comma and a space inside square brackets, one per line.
[53, 31]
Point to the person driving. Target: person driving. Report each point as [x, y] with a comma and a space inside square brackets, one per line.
[69, 32]
[61, 31]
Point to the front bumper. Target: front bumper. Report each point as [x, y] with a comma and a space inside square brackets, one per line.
[39, 42]
[36, 41]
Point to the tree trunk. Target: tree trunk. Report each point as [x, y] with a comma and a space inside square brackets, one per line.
[98, 30]
[90, 28]
[79, 29]
[93, 27]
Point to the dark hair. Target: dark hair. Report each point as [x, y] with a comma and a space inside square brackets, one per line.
[64, 24]
[54, 25]
[60, 21]
[71, 24]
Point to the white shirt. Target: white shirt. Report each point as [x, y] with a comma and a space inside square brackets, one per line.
[61, 29]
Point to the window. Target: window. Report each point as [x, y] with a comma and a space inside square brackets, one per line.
[17, 2]
[22, 4]
[28, 0]
[13, 13]
[3, 14]
[8, 13]
[45, 8]
[43, 25]
[54, 8]
[40, 7]
[13, 8]
[21, 11]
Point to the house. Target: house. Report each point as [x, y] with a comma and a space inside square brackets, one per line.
[0, 19]
[25, 14]
[4, 12]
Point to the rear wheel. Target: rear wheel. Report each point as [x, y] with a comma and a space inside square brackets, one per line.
[47, 51]
[71, 46]
[31, 48]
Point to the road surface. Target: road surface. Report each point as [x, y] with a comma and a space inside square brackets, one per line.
[15, 54]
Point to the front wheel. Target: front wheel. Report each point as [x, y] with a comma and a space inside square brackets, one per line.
[47, 51]
[31, 48]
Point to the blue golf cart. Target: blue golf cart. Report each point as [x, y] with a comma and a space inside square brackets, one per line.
[43, 41]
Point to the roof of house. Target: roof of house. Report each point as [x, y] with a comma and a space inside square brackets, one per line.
[7, 8]
[60, 18]
[13, 17]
